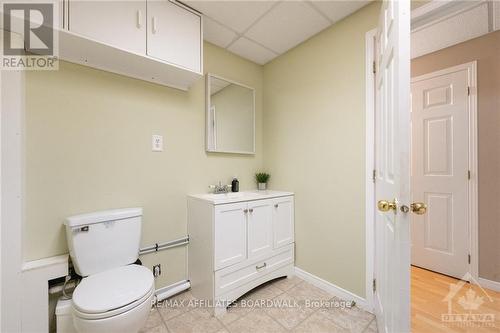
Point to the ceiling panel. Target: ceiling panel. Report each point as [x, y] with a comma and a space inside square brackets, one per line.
[238, 15]
[337, 10]
[217, 34]
[286, 25]
[251, 50]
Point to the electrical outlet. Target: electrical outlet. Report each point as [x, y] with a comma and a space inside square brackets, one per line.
[157, 270]
[157, 142]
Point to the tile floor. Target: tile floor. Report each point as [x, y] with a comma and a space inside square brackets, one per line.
[290, 310]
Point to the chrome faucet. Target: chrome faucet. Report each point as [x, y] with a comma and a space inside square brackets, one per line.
[220, 188]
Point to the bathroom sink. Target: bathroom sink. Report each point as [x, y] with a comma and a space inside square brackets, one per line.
[222, 198]
[229, 195]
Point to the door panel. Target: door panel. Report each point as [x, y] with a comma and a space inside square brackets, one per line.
[392, 140]
[283, 221]
[174, 34]
[118, 23]
[260, 219]
[230, 234]
[440, 111]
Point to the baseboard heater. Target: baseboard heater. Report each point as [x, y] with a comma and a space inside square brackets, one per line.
[171, 290]
[163, 246]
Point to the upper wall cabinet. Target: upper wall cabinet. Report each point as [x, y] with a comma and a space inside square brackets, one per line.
[156, 40]
[174, 34]
[120, 24]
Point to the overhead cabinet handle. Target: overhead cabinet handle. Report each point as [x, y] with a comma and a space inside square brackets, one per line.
[139, 19]
[154, 28]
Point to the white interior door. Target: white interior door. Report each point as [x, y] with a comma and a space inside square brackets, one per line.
[260, 228]
[392, 160]
[440, 110]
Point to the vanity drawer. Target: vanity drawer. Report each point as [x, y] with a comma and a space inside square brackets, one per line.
[237, 275]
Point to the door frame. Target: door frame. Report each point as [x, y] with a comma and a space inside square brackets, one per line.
[370, 162]
[472, 184]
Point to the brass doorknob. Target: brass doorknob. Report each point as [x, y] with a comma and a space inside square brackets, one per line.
[418, 208]
[385, 206]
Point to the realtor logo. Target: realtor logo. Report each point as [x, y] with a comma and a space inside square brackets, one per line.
[470, 299]
[28, 36]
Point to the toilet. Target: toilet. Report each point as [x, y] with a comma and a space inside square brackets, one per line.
[114, 295]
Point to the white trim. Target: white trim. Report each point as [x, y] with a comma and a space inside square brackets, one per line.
[34, 293]
[369, 163]
[488, 284]
[332, 288]
[473, 217]
[12, 152]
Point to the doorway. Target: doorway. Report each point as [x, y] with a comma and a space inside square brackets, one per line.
[443, 171]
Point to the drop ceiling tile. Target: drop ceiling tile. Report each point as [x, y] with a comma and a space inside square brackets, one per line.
[251, 50]
[337, 10]
[237, 15]
[217, 34]
[287, 25]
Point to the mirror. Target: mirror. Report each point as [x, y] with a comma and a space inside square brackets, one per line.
[230, 116]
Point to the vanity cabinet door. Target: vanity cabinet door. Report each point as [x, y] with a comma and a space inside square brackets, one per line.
[260, 228]
[230, 234]
[283, 221]
[121, 24]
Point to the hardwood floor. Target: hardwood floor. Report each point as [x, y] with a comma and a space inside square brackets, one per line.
[429, 292]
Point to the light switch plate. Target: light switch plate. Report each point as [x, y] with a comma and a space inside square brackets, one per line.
[157, 142]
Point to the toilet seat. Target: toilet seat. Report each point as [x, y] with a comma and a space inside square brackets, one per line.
[113, 292]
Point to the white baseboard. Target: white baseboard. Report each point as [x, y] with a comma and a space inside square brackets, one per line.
[332, 289]
[488, 284]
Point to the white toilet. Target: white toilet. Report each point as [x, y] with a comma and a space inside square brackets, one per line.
[114, 295]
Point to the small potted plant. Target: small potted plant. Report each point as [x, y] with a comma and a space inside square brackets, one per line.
[262, 178]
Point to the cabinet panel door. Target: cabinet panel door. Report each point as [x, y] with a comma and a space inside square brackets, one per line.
[174, 34]
[283, 221]
[118, 23]
[230, 234]
[260, 227]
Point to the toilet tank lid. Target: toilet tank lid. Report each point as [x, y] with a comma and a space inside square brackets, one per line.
[102, 216]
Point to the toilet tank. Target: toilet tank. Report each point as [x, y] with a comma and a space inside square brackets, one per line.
[103, 240]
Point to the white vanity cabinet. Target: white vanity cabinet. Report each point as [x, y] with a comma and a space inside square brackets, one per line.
[238, 241]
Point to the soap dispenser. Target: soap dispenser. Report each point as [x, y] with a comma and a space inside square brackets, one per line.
[235, 185]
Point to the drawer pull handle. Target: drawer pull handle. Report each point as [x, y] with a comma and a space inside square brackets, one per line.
[262, 266]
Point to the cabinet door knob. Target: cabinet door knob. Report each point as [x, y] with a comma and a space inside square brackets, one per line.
[245, 211]
[251, 210]
[276, 205]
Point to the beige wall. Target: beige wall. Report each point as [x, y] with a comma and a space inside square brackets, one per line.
[314, 134]
[486, 50]
[88, 147]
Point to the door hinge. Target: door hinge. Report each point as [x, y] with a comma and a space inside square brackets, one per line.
[374, 67]
[468, 174]
[374, 175]
[468, 258]
[374, 285]
[468, 91]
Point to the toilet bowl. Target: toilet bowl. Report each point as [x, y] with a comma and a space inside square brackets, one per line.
[113, 295]
[117, 300]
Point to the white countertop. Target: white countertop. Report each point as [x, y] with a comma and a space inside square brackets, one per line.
[230, 197]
